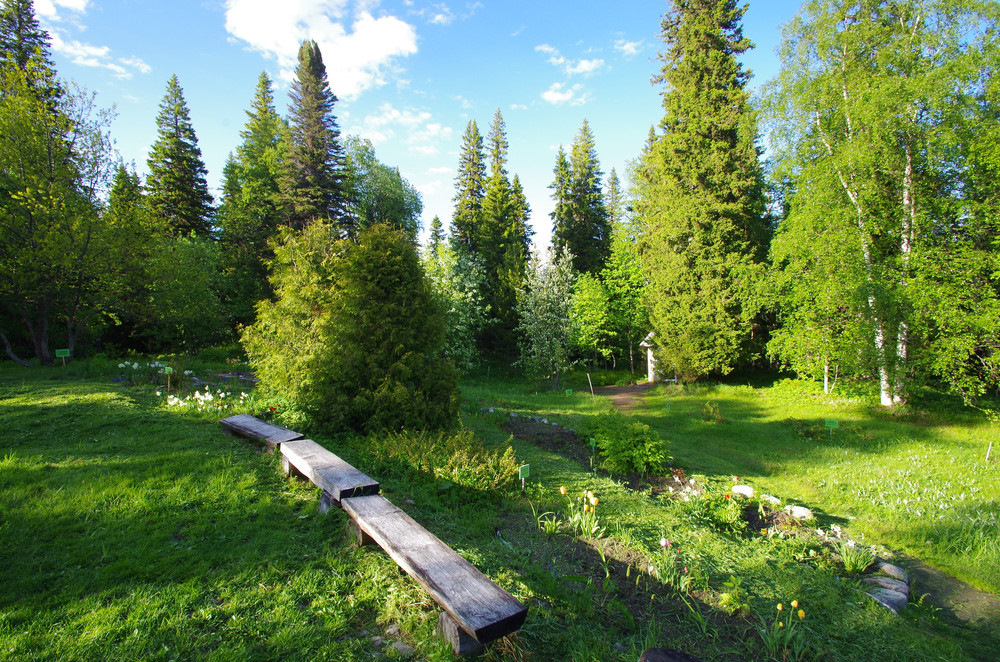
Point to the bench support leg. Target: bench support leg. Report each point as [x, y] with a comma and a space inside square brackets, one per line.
[326, 501]
[356, 535]
[462, 643]
[289, 469]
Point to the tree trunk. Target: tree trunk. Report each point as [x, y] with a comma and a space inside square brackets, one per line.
[826, 377]
[10, 352]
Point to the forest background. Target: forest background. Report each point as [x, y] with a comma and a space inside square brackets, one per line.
[864, 246]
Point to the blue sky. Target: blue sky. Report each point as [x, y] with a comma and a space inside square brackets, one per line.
[409, 74]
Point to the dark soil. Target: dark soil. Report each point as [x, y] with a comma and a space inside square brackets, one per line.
[569, 444]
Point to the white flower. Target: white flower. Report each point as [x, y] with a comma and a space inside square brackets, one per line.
[157, 394]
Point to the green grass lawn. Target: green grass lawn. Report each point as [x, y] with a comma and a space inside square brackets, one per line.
[134, 529]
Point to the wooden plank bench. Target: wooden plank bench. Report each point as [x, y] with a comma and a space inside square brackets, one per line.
[477, 611]
[250, 427]
[337, 478]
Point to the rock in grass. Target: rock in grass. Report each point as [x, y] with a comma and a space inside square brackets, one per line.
[773, 500]
[888, 583]
[799, 512]
[743, 490]
[403, 649]
[894, 601]
[891, 570]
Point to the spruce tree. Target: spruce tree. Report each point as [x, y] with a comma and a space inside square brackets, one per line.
[700, 191]
[588, 237]
[177, 186]
[22, 40]
[314, 180]
[470, 190]
[561, 213]
[502, 245]
[436, 237]
[249, 215]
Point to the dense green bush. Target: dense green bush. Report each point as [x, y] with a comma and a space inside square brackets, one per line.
[627, 445]
[354, 338]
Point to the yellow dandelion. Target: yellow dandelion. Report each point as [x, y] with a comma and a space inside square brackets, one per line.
[802, 614]
[594, 501]
[780, 624]
[795, 604]
[562, 491]
[586, 507]
[590, 495]
[780, 607]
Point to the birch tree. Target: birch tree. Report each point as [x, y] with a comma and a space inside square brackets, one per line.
[864, 114]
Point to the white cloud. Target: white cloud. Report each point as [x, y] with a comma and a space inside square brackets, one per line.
[441, 15]
[559, 94]
[628, 48]
[49, 9]
[420, 134]
[571, 67]
[88, 55]
[518, 106]
[585, 67]
[357, 50]
[81, 53]
[443, 170]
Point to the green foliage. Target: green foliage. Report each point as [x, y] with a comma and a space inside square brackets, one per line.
[700, 195]
[249, 214]
[459, 458]
[314, 179]
[784, 640]
[580, 219]
[720, 511]
[627, 445]
[456, 278]
[177, 186]
[856, 558]
[590, 320]
[884, 177]
[379, 194]
[544, 312]
[623, 278]
[56, 250]
[734, 600]
[354, 338]
[470, 190]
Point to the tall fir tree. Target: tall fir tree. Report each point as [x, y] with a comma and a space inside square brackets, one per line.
[436, 237]
[562, 194]
[24, 44]
[502, 242]
[588, 234]
[700, 192]
[249, 215]
[177, 186]
[470, 190]
[614, 200]
[314, 179]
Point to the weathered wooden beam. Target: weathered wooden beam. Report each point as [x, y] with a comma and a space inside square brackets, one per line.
[250, 427]
[478, 606]
[337, 478]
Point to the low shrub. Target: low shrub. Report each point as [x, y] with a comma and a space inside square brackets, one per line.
[457, 457]
[629, 446]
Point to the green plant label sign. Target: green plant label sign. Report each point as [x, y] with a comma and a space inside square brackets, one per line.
[168, 371]
[569, 391]
[830, 423]
[62, 353]
[524, 471]
[593, 443]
